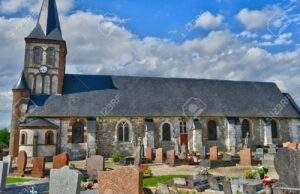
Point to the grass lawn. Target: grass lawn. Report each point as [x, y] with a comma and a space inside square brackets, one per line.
[153, 181]
[15, 180]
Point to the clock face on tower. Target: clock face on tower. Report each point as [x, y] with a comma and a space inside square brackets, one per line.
[43, 69]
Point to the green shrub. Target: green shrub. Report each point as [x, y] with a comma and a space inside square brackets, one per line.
[72, 166]
[84, 177]
[261, 171]
[117, 156]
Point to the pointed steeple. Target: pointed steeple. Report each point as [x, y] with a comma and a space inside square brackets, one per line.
[21, 84]
[48, 25]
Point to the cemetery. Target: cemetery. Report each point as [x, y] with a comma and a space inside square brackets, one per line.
[157, 171]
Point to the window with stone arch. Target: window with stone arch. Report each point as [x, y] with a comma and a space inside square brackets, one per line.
[182, 126]
[50, 59]
[39, 84]
[78, 133]
[123, 131]
[212, 130]
[37, 55]
[23, 138]
[245, 128]
[49, 138]
[166, 132]
[274, 129]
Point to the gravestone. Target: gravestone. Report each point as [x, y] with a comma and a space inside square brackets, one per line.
[287, 166]
[202, 152]
[9, 160]
[159, 155]
[61, 160]
[3, 174]
[198, 182]
[227, 187]
[170, 157]
[214, 183]
[21, 163]
[95, 163]
[293, 145]
[149, 154]
[38, 167]
[246, 157]
[162, 189]
[272, 149]
[64, 181]
[183, 152]
[259, 153]
[123, 180]
[179, 181]
[213, 153]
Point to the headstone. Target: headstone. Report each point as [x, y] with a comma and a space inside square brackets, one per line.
[213, 153]
[170, 157]
[183, 152]
[179, 181]
[159, 155]
[149, 154]
[3, 174]
[64, 181]
[246, 141]
[198, 182]
[95, 163]
[287, 166]
[246, 157]
[121, 180]
[214, 183]
[259, 153]
[61, 160]
[8, 159]
[21, 163]
[293, 145]
[38, 167]
[227, 187]
[202, 152]
[162, 189]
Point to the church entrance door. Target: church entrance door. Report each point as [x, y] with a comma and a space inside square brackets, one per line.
[184, 139]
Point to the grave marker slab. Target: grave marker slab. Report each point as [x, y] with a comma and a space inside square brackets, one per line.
[148, 153]
[159, 155]
[38, 167]
[170, 157]
[9, 160]
[246, 157]
[61, 160]
[202, 152]
[3, 174]
[95, 163]
[213, 153]
[21, 163]
[65, 181]
[112, 182]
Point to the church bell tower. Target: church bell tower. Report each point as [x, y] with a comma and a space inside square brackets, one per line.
[45, 54]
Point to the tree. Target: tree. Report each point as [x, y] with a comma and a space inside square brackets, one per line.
[4, 138]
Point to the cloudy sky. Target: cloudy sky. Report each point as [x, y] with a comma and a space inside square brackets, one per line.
[255, 40]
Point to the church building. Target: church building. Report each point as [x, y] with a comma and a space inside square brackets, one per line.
[53, 112]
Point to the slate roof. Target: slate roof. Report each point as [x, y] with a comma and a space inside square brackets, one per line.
[21, 84]
[102, 95]
[48, 25]
[38, 123]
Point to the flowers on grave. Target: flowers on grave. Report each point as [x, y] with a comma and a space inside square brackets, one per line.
[258, 173]
[204, 171]
[261, 172]
[267, 181]
[249, 174]
[146, 169]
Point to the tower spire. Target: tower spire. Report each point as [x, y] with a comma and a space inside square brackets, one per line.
[48, 25]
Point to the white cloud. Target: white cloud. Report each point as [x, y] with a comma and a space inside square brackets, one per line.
[103, 46]
[256, 19]
[247, 34]
[209, 21]
[282, 39]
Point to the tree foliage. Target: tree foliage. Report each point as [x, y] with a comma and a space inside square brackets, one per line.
[4, 138]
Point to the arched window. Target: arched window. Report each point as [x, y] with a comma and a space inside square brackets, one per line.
[274, 129]
[50, 56]
[123, 131]
[49, 138]
[78, 133]
[54, 83]
[37, 55]
[166, 132]
[212, 130]
[46, 84]
[31, 81]
[245, 128]
[39, 84]
[23, 138]
[182, 126]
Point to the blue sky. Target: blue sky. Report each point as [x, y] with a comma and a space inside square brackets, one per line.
[255, 40]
